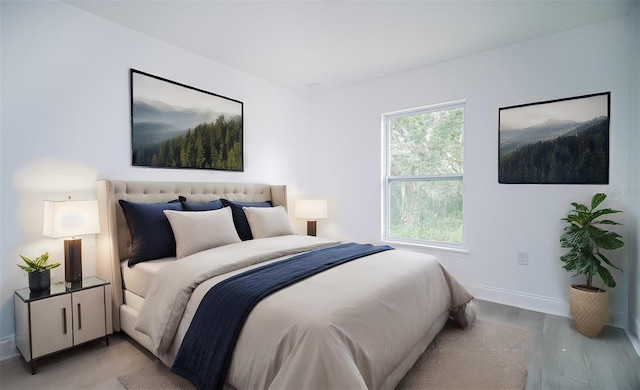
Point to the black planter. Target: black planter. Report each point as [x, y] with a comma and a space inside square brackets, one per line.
[39, 280]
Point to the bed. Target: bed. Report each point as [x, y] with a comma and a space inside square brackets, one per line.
[362, 324]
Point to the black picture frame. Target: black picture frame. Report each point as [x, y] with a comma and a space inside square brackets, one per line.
[178, 126]
[562, 141]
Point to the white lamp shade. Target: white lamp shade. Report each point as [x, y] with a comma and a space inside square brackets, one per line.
[70, 218]
[311, 209]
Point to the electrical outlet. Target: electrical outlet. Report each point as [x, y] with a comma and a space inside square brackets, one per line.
[523, 258]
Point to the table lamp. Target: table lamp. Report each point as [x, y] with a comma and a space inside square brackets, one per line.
[71, 218]
[311, 210]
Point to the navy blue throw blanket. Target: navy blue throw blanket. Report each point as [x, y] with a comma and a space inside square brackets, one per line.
[205, 354]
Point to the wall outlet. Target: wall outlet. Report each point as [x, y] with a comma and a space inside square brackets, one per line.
[523, 258]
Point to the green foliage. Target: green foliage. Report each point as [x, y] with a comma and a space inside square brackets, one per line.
[424, 204]
[562, 160]
[37, 264]
[585, 240]
[427, 144]
[213, 145]
[426, 210]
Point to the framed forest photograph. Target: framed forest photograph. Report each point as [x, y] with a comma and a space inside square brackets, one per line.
[563, 141]
[177, 126]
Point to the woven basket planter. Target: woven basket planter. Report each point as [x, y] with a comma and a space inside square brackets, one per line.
[589, 309]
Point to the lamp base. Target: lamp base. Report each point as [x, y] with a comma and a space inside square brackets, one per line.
[73, 260]
[311, 228]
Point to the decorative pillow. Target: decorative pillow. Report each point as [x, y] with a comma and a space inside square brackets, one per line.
[151, 234]
[268, 222]
[196, 232]
[239, 219]
[213, 205]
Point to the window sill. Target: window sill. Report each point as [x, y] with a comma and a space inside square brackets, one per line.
[453, 251]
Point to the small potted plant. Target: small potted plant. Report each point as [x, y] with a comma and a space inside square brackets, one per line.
[589, 304]
[39, 272]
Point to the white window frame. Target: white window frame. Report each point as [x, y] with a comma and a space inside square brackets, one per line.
[387, 179]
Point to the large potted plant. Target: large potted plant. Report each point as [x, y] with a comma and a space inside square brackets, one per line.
[589, 304]
[39, 272]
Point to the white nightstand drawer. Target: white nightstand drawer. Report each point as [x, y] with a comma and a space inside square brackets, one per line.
[50, 325]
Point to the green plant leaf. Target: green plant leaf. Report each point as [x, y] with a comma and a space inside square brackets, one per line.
[28, 269]
[574, 237]
[604, 258]
[597, 199]
[579, 207]
[602, 212]
[606, 277]
[607, 222]
[608, 240]
[29, 262]
[38, 264]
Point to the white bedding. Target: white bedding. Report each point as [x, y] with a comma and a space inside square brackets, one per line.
[137, 279]
[353, 326]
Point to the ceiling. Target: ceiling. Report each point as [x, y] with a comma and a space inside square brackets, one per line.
[318, 46]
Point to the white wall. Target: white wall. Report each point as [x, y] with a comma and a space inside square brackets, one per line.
[500, 219]
[66, 122]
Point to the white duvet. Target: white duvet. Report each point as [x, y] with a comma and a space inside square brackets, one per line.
[351, 327]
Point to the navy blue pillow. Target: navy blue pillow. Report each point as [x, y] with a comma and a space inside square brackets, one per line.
[239, 219]
[213, 205]
[151, 234]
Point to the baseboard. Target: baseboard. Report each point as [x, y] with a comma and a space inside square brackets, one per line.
[538, 303]
[8, 348]
[634, 326]
[634, 333]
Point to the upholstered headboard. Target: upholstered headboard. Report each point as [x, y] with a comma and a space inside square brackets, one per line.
[113, 243]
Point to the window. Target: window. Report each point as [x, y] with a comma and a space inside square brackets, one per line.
[423, 177]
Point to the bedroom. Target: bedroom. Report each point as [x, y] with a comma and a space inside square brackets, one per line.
[65, 123]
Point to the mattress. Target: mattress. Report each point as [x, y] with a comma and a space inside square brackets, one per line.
[137, 279]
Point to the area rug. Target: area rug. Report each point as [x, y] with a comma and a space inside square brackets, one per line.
[154, 376]
[487, 355]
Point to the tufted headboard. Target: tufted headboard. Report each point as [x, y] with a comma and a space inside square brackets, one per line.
[113, 243]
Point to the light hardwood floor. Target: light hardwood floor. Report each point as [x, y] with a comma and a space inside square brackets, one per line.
[560, 358]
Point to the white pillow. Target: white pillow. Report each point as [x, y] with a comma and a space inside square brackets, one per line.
[196, 231]
[268, 221]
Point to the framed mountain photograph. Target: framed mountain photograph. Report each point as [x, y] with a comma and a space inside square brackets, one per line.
[177, 126]
[563, 141]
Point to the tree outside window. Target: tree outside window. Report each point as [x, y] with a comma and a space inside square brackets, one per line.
[424, 175]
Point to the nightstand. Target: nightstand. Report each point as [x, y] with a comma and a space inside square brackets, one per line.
[63, 317]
